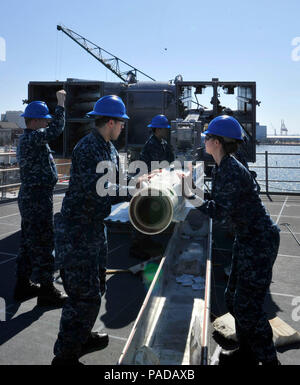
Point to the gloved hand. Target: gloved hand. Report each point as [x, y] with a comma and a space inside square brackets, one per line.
[194, 199]
[102, 277]
[61, 97]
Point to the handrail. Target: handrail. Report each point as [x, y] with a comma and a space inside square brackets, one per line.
[283, 167]
[8, 169]
[267, 180]
[207, 305]
[277, 153]
[279, 181]
[266, 166]
[5, 187]
[9, 185]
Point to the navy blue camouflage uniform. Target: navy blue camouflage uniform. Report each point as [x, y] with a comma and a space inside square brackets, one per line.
[235, 198]
[81, 243]
[38, 177]
[156, 150]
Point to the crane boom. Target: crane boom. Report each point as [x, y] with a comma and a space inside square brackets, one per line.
[112, 62]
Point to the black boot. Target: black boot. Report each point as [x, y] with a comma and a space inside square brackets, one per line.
[25, 289]
[237, 357]
[274, 362]
[96, 341]
[50, 296]
[60, 361]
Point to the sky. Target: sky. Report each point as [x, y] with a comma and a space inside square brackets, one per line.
[232, 40]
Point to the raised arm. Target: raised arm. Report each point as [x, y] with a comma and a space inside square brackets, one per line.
[56, 126]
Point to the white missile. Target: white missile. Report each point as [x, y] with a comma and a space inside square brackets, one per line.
[153, 207]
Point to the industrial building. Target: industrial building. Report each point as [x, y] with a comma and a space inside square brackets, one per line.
[9, 133]
[13, 117]
[261, 132]
[283, 139]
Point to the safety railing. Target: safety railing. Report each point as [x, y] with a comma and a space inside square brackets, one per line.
[277, 186]
[265, 175]
[6, 187]
[268, 185]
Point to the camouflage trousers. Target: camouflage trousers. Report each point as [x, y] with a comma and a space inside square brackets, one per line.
[248, 285]
[79, 314]
[81, 252]
[35, 259]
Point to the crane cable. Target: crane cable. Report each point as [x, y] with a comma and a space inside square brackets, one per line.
[58, 56]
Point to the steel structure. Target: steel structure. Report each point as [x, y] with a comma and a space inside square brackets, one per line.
[194, 117]
[110, 61]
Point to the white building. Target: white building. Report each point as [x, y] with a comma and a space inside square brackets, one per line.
[9, 133]
[261, 132]
[14, 117]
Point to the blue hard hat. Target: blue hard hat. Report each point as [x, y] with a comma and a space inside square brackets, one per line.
[37, 110]
[159, 121]
[225, 126]
[109, 105]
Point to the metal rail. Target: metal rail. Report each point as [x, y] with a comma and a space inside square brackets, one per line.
[9, 169]
[267, 180]
[141, 312]
[204, 358]
[268, 189]
[4, 187]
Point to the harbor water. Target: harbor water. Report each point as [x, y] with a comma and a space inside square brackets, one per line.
[286, 179]
[281, 179]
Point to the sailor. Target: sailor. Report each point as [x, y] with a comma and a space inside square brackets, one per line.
[80, 234]
[35, 262]
[235, 197]
[157, 147]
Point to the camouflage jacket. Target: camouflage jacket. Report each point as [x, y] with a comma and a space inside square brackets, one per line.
[82, 202]
[37, 166]
[241, 158]
[154, 150]
[235, 197]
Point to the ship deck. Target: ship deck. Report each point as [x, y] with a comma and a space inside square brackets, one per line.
[28, 333]
[285, 286]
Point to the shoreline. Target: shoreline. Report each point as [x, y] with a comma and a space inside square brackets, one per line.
[277, 144]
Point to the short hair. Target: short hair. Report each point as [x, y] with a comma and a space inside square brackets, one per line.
[28, 121]
[155, 128]
[229, 145]
[101, 121]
